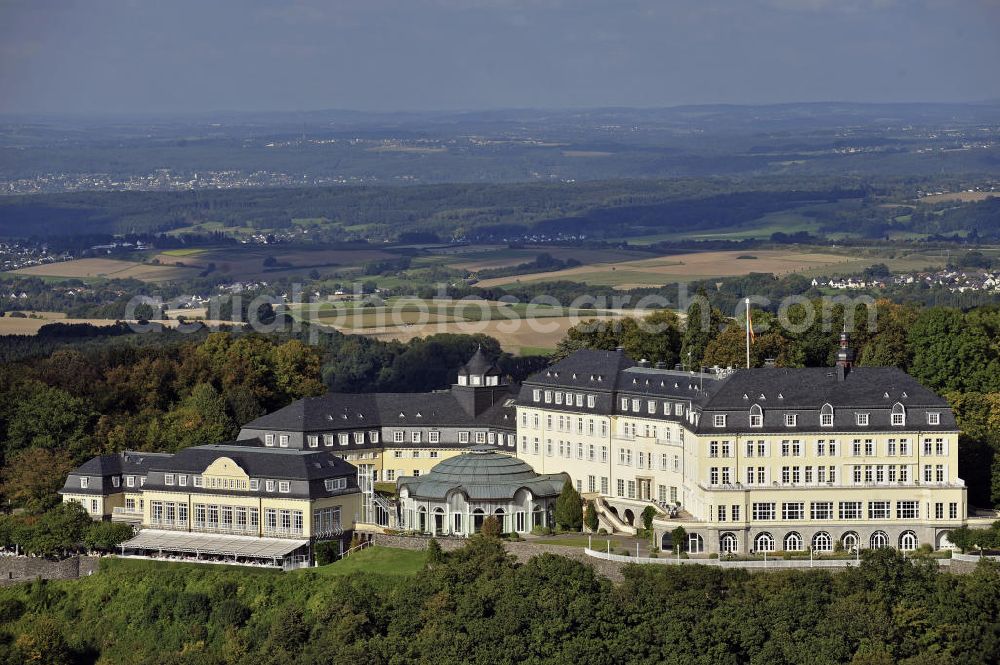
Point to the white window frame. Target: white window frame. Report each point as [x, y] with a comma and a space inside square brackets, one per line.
[433, 437]
[933, 418]
[84, 482]
[269, 440]
[719, 420]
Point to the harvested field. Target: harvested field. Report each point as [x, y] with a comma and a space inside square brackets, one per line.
[681, 268]
[518, 336]
[110, 269]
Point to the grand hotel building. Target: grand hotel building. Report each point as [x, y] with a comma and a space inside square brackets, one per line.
[751, 460]
[746, 461]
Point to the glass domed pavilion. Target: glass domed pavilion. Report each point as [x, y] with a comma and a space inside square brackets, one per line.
[460, 492]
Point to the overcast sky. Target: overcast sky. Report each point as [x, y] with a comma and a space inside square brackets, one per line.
[197, 55]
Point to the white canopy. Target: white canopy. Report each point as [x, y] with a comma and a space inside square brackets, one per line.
[211, 543]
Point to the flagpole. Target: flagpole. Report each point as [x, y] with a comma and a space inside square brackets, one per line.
[748, 332]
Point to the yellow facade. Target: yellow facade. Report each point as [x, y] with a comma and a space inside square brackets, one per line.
[716, 480]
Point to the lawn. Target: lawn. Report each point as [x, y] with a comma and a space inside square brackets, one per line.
[376, 560]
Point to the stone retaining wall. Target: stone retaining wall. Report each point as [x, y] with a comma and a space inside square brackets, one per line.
[15, 569]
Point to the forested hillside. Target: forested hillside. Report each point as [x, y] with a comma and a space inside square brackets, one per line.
[478, 606]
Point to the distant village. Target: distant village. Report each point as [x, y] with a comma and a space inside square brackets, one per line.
[955, 280]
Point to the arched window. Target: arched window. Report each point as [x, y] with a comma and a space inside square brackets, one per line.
[537, 516]
[908, 541]
[764, 542]
[728, 543]
[822, 542]
[793, 542]
[826, 415]
[695, 543]
[756, 416]
[850, 541]
[879, 540]
[898, 415]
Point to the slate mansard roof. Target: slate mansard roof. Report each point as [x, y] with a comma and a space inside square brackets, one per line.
[260, 462]
[805, 391]
[611, 377]
[104, 467]
[306, 469]
[344, 411]
[482, 474]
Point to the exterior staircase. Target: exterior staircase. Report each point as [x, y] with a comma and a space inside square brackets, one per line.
[609, 520]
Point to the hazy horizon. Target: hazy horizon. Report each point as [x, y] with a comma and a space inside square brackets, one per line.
[117, 57]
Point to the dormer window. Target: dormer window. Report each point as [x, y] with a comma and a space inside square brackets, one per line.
[898, 415]
[268, 439]
[548, 397]
[862, 419]
[791, 419]
[313, 440]
[933, 418]
[536, 395]
[84, 482]
[719, 420]
[756, 416]
[283, 441]
[826, 416]
[344, 438]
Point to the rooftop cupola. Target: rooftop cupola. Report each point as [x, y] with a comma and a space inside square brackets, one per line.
[479, 371]
[480, 384]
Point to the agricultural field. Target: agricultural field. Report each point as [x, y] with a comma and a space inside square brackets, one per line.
[111, 269]
[504, 257]
[962, 197]
[520, 328]
[33, 321]
[652, 272]
[683, 268]
[248, 262]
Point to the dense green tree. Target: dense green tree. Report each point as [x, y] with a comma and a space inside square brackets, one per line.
[491, 527]
[648, 513]
[107, 536]
[30, 478]
[590, 519]
[434, 552]
[569, 508]
[46, 417]
[702, 324]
